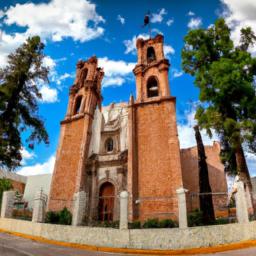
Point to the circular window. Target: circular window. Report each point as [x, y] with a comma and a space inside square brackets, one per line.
[109, 145]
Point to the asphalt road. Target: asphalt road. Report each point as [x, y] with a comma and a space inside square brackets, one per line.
[16, 246]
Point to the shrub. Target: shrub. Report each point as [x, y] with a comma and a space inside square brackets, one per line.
[252, 217]
[63, 217]
[195, 218]
[104, 224]
[167, 223]
[52, 217]
[221, 221]
[151, 223]
[135, 225]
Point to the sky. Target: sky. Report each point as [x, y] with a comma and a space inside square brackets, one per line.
[78, 29]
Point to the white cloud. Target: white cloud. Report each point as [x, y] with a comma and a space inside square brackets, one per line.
[49, 62]
[251, 162]
[190, 13]
[115, 71]
[156, 31]
[187, 139]
[113, 81]
[187, 134]
[176, 73]
[169, 22]
[130, 44]
[49, 95]
[54, 20]
[39, 168]
[8, 44]
[26, 155]
[116, 67]
[63, 77]
[1, 14]
[195, 23]
[168, 49]
[121, 19]
[239, 14]
[158, 17]
[57, 19]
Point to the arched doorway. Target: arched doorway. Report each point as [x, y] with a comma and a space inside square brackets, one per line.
[106, 201]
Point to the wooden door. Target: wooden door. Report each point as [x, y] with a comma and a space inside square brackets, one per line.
[106, 202]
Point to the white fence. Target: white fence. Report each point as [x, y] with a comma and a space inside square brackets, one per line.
[40, 201]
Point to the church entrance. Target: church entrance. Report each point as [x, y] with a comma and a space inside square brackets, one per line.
[106, 201]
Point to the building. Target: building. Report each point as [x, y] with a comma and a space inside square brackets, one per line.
[28, 186]
[130, 146]
[33, 185]
[18, 181]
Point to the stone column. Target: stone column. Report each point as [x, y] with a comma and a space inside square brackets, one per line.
[123, 210]
[79, 207]
[39, 207]
[70, 106]
[93, 202]
[181, 193]
[7, 204]
[241, 203]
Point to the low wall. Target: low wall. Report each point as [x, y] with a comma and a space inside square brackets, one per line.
[139, 239]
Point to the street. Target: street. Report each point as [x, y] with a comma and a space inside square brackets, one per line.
[17, 246]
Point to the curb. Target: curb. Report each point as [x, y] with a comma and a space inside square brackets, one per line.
[202, 250]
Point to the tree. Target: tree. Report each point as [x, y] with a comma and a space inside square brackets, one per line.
[205, 197]
[5, 185]
[224, 75]
[19, 94]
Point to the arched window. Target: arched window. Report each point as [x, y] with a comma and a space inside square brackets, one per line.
[109, 145]
[151, 56]
[78, 103]
[152, 87]
[84, 73]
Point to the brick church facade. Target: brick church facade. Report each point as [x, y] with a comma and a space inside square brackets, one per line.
[130, 146]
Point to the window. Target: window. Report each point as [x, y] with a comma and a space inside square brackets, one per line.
[109, 145]
[78, 105]
[152, 87]
[84, 74]
[151, 56]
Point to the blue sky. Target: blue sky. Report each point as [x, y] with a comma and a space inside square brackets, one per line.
[78, 29]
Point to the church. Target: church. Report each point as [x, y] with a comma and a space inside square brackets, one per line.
[131, 146]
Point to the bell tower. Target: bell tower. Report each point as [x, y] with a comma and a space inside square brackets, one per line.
[151, 70]
[69, 174]
[154, 167]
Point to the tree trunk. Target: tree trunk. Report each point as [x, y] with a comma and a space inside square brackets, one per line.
[206, 203]
[243, 172]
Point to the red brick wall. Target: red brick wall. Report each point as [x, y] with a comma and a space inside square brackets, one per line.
[18, 186]
[66, 166]
[217, 177]
[158, 154]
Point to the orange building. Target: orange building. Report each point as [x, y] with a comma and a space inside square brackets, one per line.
[130, 146]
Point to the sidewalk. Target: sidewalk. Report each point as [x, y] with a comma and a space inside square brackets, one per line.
[20, 244]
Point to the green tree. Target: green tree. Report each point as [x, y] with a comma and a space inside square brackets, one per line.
[19, 94]
[225, 76]
[205, 197]
[5, 185]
